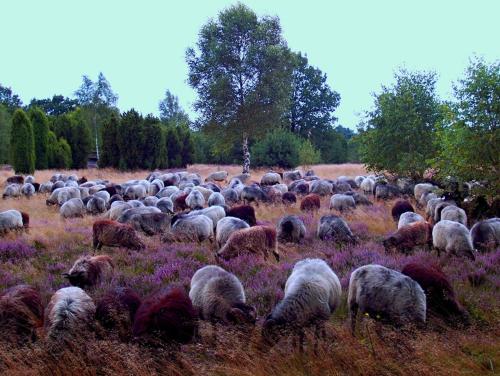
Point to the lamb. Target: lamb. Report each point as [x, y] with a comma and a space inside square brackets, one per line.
[72, 208]
[28, 189]
[226, 226]
[486, 234]
[385, 293]
[13, 220]
[342, 202]
[219, 297]
[114, 234]
[332, 227]
[230, 195]
[244, 212]
[151, 223]
[88, 271]
[192, 227]
[70, 311]
[400, 207]
[289, 198]
[440, 297]
[217, 176]
[167, 316]
[368, 186]
[453, 238]
[291, 229]
[311, 202]
[410, 236]
[409, 217]
[322, 187]
[116, 311]
[12, 190]
[270, 178]
[259, 240]
[21, 313]
[454, 213]
[96, 205]
[312, 294]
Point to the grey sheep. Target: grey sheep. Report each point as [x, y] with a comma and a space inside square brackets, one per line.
[193, 227]
[342, 202]
[166, 205]
[230, 195]
[129, 213]
[102, 194]
[386, 191]
[379, 291]
[206, 192]
[217, 176]
[290, 229]
[453, 238]
[425, 198]
[454, 213]
[96, 205]
[270, 178]
[151, 223]
[46, 187]
[28, 189]
[409, 217]
[155, 187]
[226, 226]
[11, 220]
[219, 297]
[423, 188]
[215, 213]
[289, 176]
[12, 190]
[72, 208]
[360, 199]
[167, 191]
[312, 293]
[29, 179]
[150, 201]
[322, 187]
[436, 216]
[431, 206]
[359, 179]
[117, 208]
[368, 185]
[195, 200]
[486, 234]
[253, 193]
[216, 198]
[96, 188]
[332, 227]
[135, 192]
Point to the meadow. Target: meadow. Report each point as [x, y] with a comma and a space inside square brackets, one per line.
[39, 257]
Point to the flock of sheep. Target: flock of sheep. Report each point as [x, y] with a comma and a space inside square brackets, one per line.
[181, 207]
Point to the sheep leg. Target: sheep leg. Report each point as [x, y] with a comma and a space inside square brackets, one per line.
[353, 316]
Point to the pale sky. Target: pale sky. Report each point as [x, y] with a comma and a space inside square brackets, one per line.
[140, 45]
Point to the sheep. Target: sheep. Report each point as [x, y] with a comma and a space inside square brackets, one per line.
[114, 234]
[342, 202]
[453, 238]
[151, 223]
[259, 240]
[436, 216]
[12, 190]
[270, 178]
[253, 194]
[226, 226]
[211, 186]
[421, 189]
[409, 217]
[117, 208]
[321, 187]
[310, 173]
[169, 179]
[440, 297]
[135, 192]
[400, 207]
[206, 192]
[300, 187]
[332, 227]
[155, 187]
[180, 201]
[72, 208]
[410, 236]
[45, 187]
[291, 229]
[88, 271]
[192, 227]
[28, 189]
[386, 191]
[96, 205]
[230, 195]
[341, 187]
[359, 179]
[244, 212]
[312, 293]
[60, 195]
[311, 202]
[273, 194]
[219, 297]
[116, 310]
[96, 188]
[385, 293]
[431, 207]
[486, 234]
[15, 179]
[289, 176]
[454, 213]
[13, 220]
[216, 198]
[289, 198]
[368, 186]
[150, 201]
[167, 191]
[166, 205]
[425, 198]
[21, 313]
[70, 311]
[103, 194]
[167, 316]
[215, 213]
[127, 214]
[217, 176]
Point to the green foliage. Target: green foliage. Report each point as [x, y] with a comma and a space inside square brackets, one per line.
[22, 144]
[59, 152]
[130, 140]
[332, 146]
[170, 110]
[62, 126]
[278, 148]
[80, 141]
[9, 99]
[5, 126]
[398, 136]
[153, 146]
[55, 106]
[186, 146]
[174, 147]
[110, 156]
[41, 136]
[308, 154]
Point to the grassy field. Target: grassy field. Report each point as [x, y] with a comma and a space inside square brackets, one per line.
[52, 244]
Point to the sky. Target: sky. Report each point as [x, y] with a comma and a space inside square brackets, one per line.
[140, 45]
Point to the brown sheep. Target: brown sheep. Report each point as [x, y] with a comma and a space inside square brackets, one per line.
[410, 236]
[400, 207]
[254, 240]
[87, 271]
[244, 212]
[16, 179]
[180, 202]
[311, 202]
[115, 234]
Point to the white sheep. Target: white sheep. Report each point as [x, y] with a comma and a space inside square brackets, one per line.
[422, 188]
[454, 213]
[368, 185]
[193, 227]
[72, 208]
[342, 202]
[409, 217]
[453, 238]
[195, 200]
[226, 226]
[216, 198]
[11, 220]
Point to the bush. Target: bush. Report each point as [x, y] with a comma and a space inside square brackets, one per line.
[58, 152]
[308, 155]
[5, 125]
[41, 137]
[22, 143]
[278, 148]
[80, 141]
[110, 155]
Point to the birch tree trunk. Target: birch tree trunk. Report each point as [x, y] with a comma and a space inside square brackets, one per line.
[246, 156]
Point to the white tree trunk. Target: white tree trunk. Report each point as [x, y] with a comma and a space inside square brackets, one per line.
[246, 156]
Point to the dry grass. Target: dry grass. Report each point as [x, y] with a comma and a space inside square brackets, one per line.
[376, 350]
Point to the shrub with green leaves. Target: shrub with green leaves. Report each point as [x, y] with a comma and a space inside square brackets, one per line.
[40, 125]
[278, 148]
[22, 143]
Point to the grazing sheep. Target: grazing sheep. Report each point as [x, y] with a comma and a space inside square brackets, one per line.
[226, 226]
[341, 187]
[289, 198]
[253, 194]
[436, 217]
[192, 228]
[135, 192]
[216, 198]
[155, 187]
[72, 208]
[359, 179]
[409, 217]
[60, 195]
[87, 271]
[322, 187]
[244, 212]
[385, 293]
[166, 316]
[166, 205]
[13, 220]
[454, 213]
[300, 187]
[115, 198]
[342, 202]
[311, 202]
[219, 297]
[425, 198]
[332, 227]
[486, 234]
[70, 311]
[453, 238]
[127, 214]
[421, 189]
[116, 311]
[386, 191]
[400, 207]
[215, 213]
[440, 297]
[12, 190]
[21, 313]
[104, 195]
[206, 192]
[291, 229]
[96, 205]
[180, 201]
[431, 207]
[167, 191]
[45, 187]
[368, 186]
[312, 294]
[270, 178]
[94, 189]
[16, 179]
[114, 234]
[150, 201]
[289, 176]
[151, 223]
[254, 240]
[117, 208]
[217, 176]
[410, 236]
[28, 189]
[230, 195]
